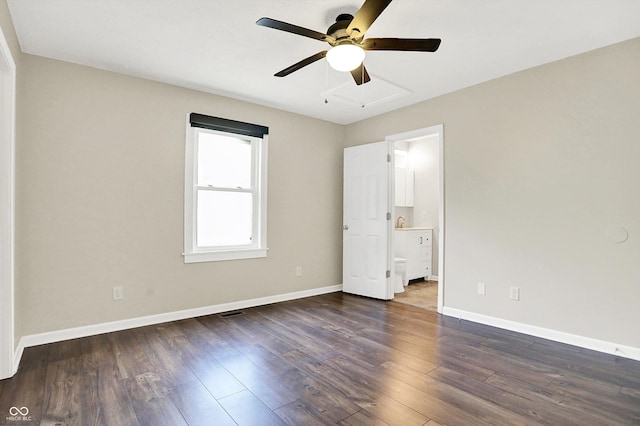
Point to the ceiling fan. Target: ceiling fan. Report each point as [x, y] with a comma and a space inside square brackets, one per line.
[348, 45]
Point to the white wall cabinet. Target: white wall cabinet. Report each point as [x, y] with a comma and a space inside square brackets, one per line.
[415, 245]
[404, 187]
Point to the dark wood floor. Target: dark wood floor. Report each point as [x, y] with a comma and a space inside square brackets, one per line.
[333, 359]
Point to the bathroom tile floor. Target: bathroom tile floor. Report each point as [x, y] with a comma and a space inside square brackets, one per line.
[421, 294]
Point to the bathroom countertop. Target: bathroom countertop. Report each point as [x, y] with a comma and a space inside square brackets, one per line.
[416, 228]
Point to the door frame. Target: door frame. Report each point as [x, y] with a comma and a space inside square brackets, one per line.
[419, 134]
[7, 207]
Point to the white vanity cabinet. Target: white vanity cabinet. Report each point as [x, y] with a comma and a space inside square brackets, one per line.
[415, 244]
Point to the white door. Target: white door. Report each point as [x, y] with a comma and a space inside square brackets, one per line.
[366, 262]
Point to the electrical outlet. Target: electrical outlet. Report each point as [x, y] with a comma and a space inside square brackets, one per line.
[514, 293]
[118, 293]
[482, 289]
[298, 271]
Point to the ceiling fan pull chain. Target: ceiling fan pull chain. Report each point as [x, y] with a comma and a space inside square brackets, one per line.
[326, 81]
[362, 85]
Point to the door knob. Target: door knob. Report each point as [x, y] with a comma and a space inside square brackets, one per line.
[345, 227]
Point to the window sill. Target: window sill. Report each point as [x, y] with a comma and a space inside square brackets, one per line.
[215, 256]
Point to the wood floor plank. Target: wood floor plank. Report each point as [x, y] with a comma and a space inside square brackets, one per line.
[247, 410]
[316, 397]
[198, 406]
[534, 410]
[299, 412]
[482, 409]
[67, 385]
[329, 359]
[216, 379]
[363, 418]
[619, 377]
[406, 341]
[373, 339]
[253, 329]
[108, 399]
[570, 406]
[580, 386]
[630, 397]
[490, 361]
[149, 395]
[265, 385]
[518, 398]
[424, 401]
[131, 357]
[348, 385]
[291, 333]
[590, 394]
[25, 388]
[393, 412]
[165, 353]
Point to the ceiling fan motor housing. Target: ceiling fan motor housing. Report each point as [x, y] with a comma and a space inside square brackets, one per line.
[339, 30]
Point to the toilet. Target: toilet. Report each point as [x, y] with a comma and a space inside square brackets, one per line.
[400, 274]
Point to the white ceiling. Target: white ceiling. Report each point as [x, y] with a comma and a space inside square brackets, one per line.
[215, 45]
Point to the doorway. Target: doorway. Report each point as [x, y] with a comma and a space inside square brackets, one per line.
[419, 162]
[7, 162]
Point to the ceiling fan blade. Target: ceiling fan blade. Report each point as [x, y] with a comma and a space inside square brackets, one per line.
[290, 28]
[368, 13]
[404, 44]
[360, 75]
[303, 63]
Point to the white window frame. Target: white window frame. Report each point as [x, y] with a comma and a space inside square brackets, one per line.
[258, 247]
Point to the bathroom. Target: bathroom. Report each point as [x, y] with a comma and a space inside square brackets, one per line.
[416, 214]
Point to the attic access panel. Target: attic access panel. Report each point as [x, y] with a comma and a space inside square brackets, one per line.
[375, 92]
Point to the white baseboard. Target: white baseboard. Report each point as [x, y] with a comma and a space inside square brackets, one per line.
[545, 333]
[108, 327]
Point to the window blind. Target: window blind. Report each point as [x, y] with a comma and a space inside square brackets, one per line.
[226, 125]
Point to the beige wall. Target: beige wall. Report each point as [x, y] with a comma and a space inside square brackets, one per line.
[100, 172]
[538, 165]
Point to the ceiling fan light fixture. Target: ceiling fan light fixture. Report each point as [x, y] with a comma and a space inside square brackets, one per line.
[345, 57]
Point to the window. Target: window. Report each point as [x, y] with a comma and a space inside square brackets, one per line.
[225, 190]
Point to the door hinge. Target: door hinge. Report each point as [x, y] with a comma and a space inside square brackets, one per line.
[388, 158]
[388, 216]
[388, 273]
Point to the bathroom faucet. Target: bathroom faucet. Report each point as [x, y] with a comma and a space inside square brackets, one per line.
[398, 224]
